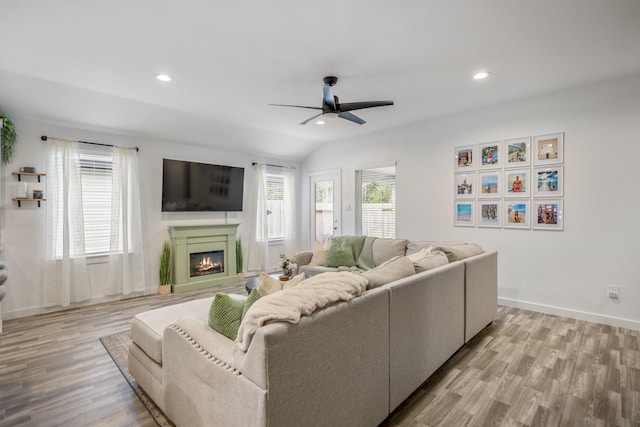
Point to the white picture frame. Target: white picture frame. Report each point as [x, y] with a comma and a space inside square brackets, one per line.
[489, 213]
[489, 184]
[489, 155]
[464, 185]
[464, 213]
[548, 181]
[548, 214]
[517, 183]
[517, 152]
[464, 158]
[517, 214]
[548, 149]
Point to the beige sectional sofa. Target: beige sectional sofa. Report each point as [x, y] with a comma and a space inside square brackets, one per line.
[350, 363]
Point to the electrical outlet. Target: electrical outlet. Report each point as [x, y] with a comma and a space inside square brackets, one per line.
[613, 292]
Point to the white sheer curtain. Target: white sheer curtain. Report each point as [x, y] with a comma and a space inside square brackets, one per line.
[257, 245]
[125, 273]
[66, 278]
[289, 212]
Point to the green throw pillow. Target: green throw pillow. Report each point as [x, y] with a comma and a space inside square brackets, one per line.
[225, 315]
[340, 254]
[253, 297]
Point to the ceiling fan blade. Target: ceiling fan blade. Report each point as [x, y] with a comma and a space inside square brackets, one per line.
[351, 117]
[328, 98]
[310, 118]
[296, 106]
[350, 106]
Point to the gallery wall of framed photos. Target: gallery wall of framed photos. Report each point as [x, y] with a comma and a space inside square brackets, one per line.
[516, 183]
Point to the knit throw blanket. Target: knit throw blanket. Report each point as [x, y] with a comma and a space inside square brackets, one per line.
[290, 304]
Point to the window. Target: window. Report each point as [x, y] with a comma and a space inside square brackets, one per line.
[376, 202]
[275, 204]
[96, 178]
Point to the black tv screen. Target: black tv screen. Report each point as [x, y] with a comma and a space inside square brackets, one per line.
[191, 186]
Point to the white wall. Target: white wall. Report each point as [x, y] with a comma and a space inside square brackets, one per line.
[556, 272]
[22, 229]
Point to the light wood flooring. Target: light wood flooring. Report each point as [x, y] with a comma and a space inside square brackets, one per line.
[525, 369]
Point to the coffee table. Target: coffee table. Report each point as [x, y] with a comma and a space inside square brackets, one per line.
[253, 282]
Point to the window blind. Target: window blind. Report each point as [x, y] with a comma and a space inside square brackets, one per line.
[376, 202]
[95, 174]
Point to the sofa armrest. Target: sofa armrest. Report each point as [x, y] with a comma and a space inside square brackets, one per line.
[303, 257]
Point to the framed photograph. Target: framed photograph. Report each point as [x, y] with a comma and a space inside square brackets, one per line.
[548, 214]
[489, 184]
[517, 214]
[490, 155]
[548, 182]
[517, 152]
[517, 183]
[464, 186]
[463, 214]
[464, 158]
[547, 149]
[489, 213]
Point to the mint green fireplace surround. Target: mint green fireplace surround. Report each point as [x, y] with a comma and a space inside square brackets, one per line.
[192, 239]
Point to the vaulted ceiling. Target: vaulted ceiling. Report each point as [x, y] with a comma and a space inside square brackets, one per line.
[92, 64]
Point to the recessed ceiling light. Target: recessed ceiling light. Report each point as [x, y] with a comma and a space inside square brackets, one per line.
[163, 77]
[320, 122]
[481, 75]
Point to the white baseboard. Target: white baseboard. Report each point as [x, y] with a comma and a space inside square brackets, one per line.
[574, 314]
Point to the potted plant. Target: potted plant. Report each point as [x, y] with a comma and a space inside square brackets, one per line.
[164, 287]
[8, 139]
[239, 258]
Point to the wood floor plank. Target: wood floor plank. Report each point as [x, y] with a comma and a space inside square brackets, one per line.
[525, 369]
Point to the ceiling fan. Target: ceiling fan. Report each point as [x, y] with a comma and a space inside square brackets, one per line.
[331, 106]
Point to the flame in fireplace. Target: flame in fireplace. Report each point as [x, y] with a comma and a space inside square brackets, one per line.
[206, 265]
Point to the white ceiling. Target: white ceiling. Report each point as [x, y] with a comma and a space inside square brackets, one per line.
[91, 64]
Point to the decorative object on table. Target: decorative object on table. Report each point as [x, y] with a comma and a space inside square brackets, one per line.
[288, 266]
[164, 287]
[239, 258]
[8, 140]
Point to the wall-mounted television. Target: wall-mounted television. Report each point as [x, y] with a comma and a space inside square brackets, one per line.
[191, 186]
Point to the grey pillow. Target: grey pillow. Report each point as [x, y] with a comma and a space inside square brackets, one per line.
[385, 249]
[459, 252]
[394, 269]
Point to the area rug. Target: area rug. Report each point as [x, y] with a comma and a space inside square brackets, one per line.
[117, 345]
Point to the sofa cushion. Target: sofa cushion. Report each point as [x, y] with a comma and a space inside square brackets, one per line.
[385, 249]
[394, 269]
[416, 245]
[340, 254]
[320, 253]
[420, 254]
[225, 315]
[459, 252]
[365, 259]
[268, 284]
[429, 261]
[254, 296]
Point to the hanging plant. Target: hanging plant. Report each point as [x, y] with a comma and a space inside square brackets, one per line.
[8, 139]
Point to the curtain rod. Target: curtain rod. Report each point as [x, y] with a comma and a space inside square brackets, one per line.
[273, 166]
[45, 137]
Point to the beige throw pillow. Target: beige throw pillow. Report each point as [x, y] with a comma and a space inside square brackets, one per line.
[268, 285]
[430, 261]
[459, 252]
[420, 254]
[394, 269]
[320, 253]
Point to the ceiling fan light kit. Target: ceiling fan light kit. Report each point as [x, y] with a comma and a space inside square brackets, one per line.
[332, 108]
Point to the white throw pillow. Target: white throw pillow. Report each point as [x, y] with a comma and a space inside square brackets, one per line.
[420, 254]
[268, 285]
[320, 253]
[430, 260]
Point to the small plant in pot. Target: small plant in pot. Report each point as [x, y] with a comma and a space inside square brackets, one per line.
[164, 287]
[239, 259]
[8, 139]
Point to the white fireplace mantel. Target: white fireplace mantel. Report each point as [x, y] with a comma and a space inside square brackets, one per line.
[202, 238]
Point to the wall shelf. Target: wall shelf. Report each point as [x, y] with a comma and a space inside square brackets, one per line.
[21, 174]
[24, 199]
